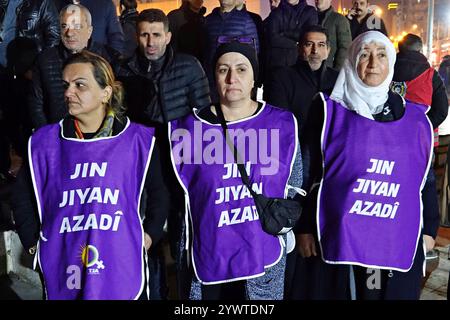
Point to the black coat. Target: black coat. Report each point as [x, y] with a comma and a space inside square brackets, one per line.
[444, 72]
[181, 86]
[357, 28]
[37, 26]
[128, 22]
[188, 30]
[293, 88]
[39, 20]
[408, 66]
[283, 28]
[46, 100]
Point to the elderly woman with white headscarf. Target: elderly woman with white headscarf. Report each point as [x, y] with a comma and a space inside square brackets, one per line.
[369, 151]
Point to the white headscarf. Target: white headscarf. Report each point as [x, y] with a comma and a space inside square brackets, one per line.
[349, 89]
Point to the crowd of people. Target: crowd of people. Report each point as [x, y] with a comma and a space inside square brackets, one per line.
[149, 129]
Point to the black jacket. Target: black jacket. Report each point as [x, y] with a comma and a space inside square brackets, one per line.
[180, 86]
[408, 66]
[293, 88]
[128, 22]
[444, 72]
[312, 163]
[283, 28]
[188, 30]
[39, 20]
[46, 101]
[155, 208]
[367, 25]
[257, 20]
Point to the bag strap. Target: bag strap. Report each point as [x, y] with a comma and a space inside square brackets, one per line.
[236, 155]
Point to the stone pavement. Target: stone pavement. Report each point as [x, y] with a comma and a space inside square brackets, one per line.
[436, 285]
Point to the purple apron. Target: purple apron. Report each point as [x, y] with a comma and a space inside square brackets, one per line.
[369, 204]
[228, 242]
[88, 196]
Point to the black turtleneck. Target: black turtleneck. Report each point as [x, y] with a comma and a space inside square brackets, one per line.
[322, 14]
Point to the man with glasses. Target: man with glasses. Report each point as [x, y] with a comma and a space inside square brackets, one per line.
[46, 100]
[107, 28]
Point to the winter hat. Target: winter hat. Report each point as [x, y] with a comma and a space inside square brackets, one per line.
[245, 49]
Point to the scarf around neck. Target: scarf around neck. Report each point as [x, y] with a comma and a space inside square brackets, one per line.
[349, 89]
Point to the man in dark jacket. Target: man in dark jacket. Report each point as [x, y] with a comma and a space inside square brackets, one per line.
[187, 25]
[128, 17]
[294, 87]
[26, 27]
[444, 71]
[283, 29]
[338, 29]
[160, 85]
[32, 19]
[46, 101]
[107, 29]
[361, 20]
[412, 72]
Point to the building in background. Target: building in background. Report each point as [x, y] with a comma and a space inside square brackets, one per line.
[411, 16]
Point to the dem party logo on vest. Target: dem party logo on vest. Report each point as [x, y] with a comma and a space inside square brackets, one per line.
[91, 259]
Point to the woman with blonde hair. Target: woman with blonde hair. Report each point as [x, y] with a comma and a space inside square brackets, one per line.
[89, 172]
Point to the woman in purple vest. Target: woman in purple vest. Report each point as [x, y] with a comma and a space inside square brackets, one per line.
[88, 173]
[230, 255]
[371, 153]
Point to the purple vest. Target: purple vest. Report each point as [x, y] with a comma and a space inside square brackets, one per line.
[228, 242]
[88, 197]
[369, 204]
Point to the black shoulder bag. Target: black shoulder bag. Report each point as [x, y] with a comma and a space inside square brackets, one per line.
[277, 215]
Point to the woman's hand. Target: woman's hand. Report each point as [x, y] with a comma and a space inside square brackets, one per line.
[306, 245]
[429, 242]
[147, 241]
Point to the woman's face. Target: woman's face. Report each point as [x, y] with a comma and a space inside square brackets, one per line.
[373, 65]
[234, 77]
[84, 97]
